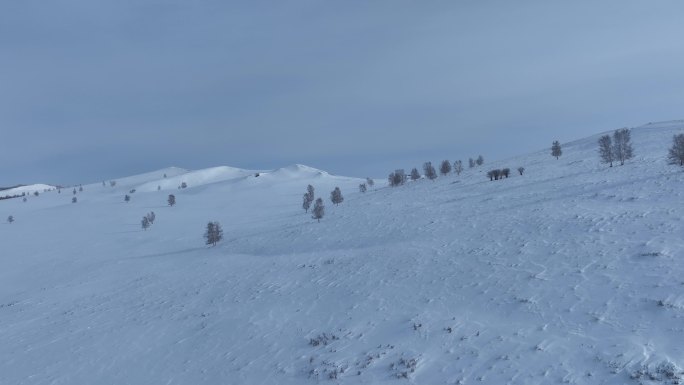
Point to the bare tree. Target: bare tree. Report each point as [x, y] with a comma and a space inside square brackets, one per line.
[184, 185]
[318, 210]
[362, 187]
[213, 234]
[606, 149]
[458, 167]
[336, 196]
[505, 172]
[622, 146]
[145, 223]
[415, 175]
[445, 167]
[480, 160]
[151, 217]
[10, 219]
[490, 175]
[471, 163]
[370, 182]
[171, 200]
[676, 153]
[521, 170]
[556, 149]
[429, 171]
[397, 178]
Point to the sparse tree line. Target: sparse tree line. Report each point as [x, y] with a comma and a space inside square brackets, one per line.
[336, 197]
[398, 177]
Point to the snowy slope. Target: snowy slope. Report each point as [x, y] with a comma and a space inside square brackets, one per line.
[30, 189]
[571, 273]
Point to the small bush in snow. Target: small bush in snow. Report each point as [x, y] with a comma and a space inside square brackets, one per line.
[184, 185]
[415, 175]
[676, 153]
[171, 200]
[397, 178]
[521, 170]
[556, 149]
[336, 196]
[308, 198]
[74, 200]
[213, 234]
[10, 219]
[151, 217]
[458, 167]
[471, 163]
[445, 167]
[606, 149]
[112, 183]
[363, 188]
[622, 146]
[370, 182]
[429, 171]
[145, 223]
[127, 198]
[318, 210]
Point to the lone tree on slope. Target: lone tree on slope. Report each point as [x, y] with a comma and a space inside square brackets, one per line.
[363, 188]
[521, 170]
[318, 210]
[415, 175]
[213, 234]
[370, 182]
[622, 146]
[336, 196]
[676, 152]
[127, 198]
[429, 171]
[480, 160]
[471, 163]
[445, 167]
[171, 200]
[10, 219]
[556, 149]
[458, 167]
[606, 149]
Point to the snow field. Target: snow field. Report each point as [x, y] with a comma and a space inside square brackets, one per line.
[572, 273]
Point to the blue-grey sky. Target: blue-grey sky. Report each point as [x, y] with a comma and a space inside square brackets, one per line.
[95, 89]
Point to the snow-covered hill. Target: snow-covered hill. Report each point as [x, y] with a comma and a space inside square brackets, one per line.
[571, 273]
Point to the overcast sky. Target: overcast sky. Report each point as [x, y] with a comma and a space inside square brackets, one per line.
[96, 89]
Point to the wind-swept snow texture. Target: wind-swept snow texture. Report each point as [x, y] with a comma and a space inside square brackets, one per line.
[572, 273]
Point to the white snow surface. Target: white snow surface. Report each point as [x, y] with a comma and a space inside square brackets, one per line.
[572, 273]
[29, 189]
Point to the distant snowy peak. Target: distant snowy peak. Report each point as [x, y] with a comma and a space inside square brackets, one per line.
[30, 189]
[299, 170]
